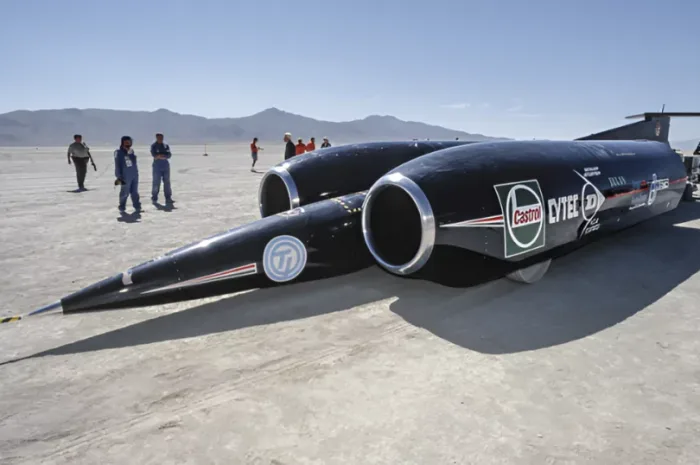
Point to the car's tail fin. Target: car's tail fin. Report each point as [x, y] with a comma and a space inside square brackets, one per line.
[655, 126]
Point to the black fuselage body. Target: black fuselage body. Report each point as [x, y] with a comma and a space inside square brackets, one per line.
[336, 171]
[232, 261]
[581, 190]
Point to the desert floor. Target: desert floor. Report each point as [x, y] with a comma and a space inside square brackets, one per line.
[597, 363]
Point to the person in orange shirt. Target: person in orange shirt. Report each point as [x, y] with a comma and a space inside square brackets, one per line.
[311, 146]
[254, 153]
[300, 147]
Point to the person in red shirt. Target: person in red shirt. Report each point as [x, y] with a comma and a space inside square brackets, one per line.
[254, 153]
[300, 147]
[311, 146]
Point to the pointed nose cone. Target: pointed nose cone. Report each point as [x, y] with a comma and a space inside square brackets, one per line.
[96, 295]
[279, 249]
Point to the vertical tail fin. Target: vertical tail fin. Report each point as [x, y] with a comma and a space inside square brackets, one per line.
[655, 126]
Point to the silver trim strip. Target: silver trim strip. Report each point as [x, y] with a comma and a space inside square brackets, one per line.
[282, 173]
[427, 219]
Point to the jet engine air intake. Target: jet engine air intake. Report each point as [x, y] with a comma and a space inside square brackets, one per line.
[398, 224]
[277, 192]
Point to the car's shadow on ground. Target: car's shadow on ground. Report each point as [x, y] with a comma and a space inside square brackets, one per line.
[584, 292]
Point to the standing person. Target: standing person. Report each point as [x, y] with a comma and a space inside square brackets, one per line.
[300, 147]
[160, 151]
[127, 174]
[311, 146]
[289, 149]
[80, 153]
[325, 144]
[254, 153]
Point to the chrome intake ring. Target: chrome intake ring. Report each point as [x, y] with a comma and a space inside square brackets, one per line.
[427, 221]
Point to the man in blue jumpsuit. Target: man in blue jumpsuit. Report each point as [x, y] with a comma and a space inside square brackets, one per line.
[127, 173]
[161, 169]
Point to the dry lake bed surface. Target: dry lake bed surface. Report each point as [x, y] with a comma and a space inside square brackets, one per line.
[599, 363]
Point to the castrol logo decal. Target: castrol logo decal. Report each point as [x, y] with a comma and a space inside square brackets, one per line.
[523, 214]
[522, 217]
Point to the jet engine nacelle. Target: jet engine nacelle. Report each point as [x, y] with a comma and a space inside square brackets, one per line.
[516, 202]
[336, 171]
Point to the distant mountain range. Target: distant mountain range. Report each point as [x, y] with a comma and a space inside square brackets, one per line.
[56, 127]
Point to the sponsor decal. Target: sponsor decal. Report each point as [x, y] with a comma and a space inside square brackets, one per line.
[284, 258]
[523, 216]
[617, 181]
[522, 209]
[585, 205]
[644, 193]
[594, 225]
[657, 130]
[237, 272]
[625, 154]
[590, 172]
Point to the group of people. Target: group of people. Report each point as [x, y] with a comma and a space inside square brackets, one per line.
[126, 170]
[290, 149]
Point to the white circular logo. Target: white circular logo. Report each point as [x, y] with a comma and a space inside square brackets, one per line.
[284, 258]
[529, 214]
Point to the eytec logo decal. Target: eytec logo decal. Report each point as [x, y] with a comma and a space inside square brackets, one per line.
[523, 216]
[284, 258]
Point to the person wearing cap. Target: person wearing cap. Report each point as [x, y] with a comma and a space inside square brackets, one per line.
[300, 147]
[160, 151]
[289, 149]
[311, 146]
[325, 144]
[80, 153]
[127, 173]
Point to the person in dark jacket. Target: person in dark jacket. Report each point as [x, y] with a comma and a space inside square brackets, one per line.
[80, 153]
[289, 149]
[160, 151]
[325, 144]
[127, 173]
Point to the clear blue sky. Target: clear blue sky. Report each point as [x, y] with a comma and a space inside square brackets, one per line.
[517, 68]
